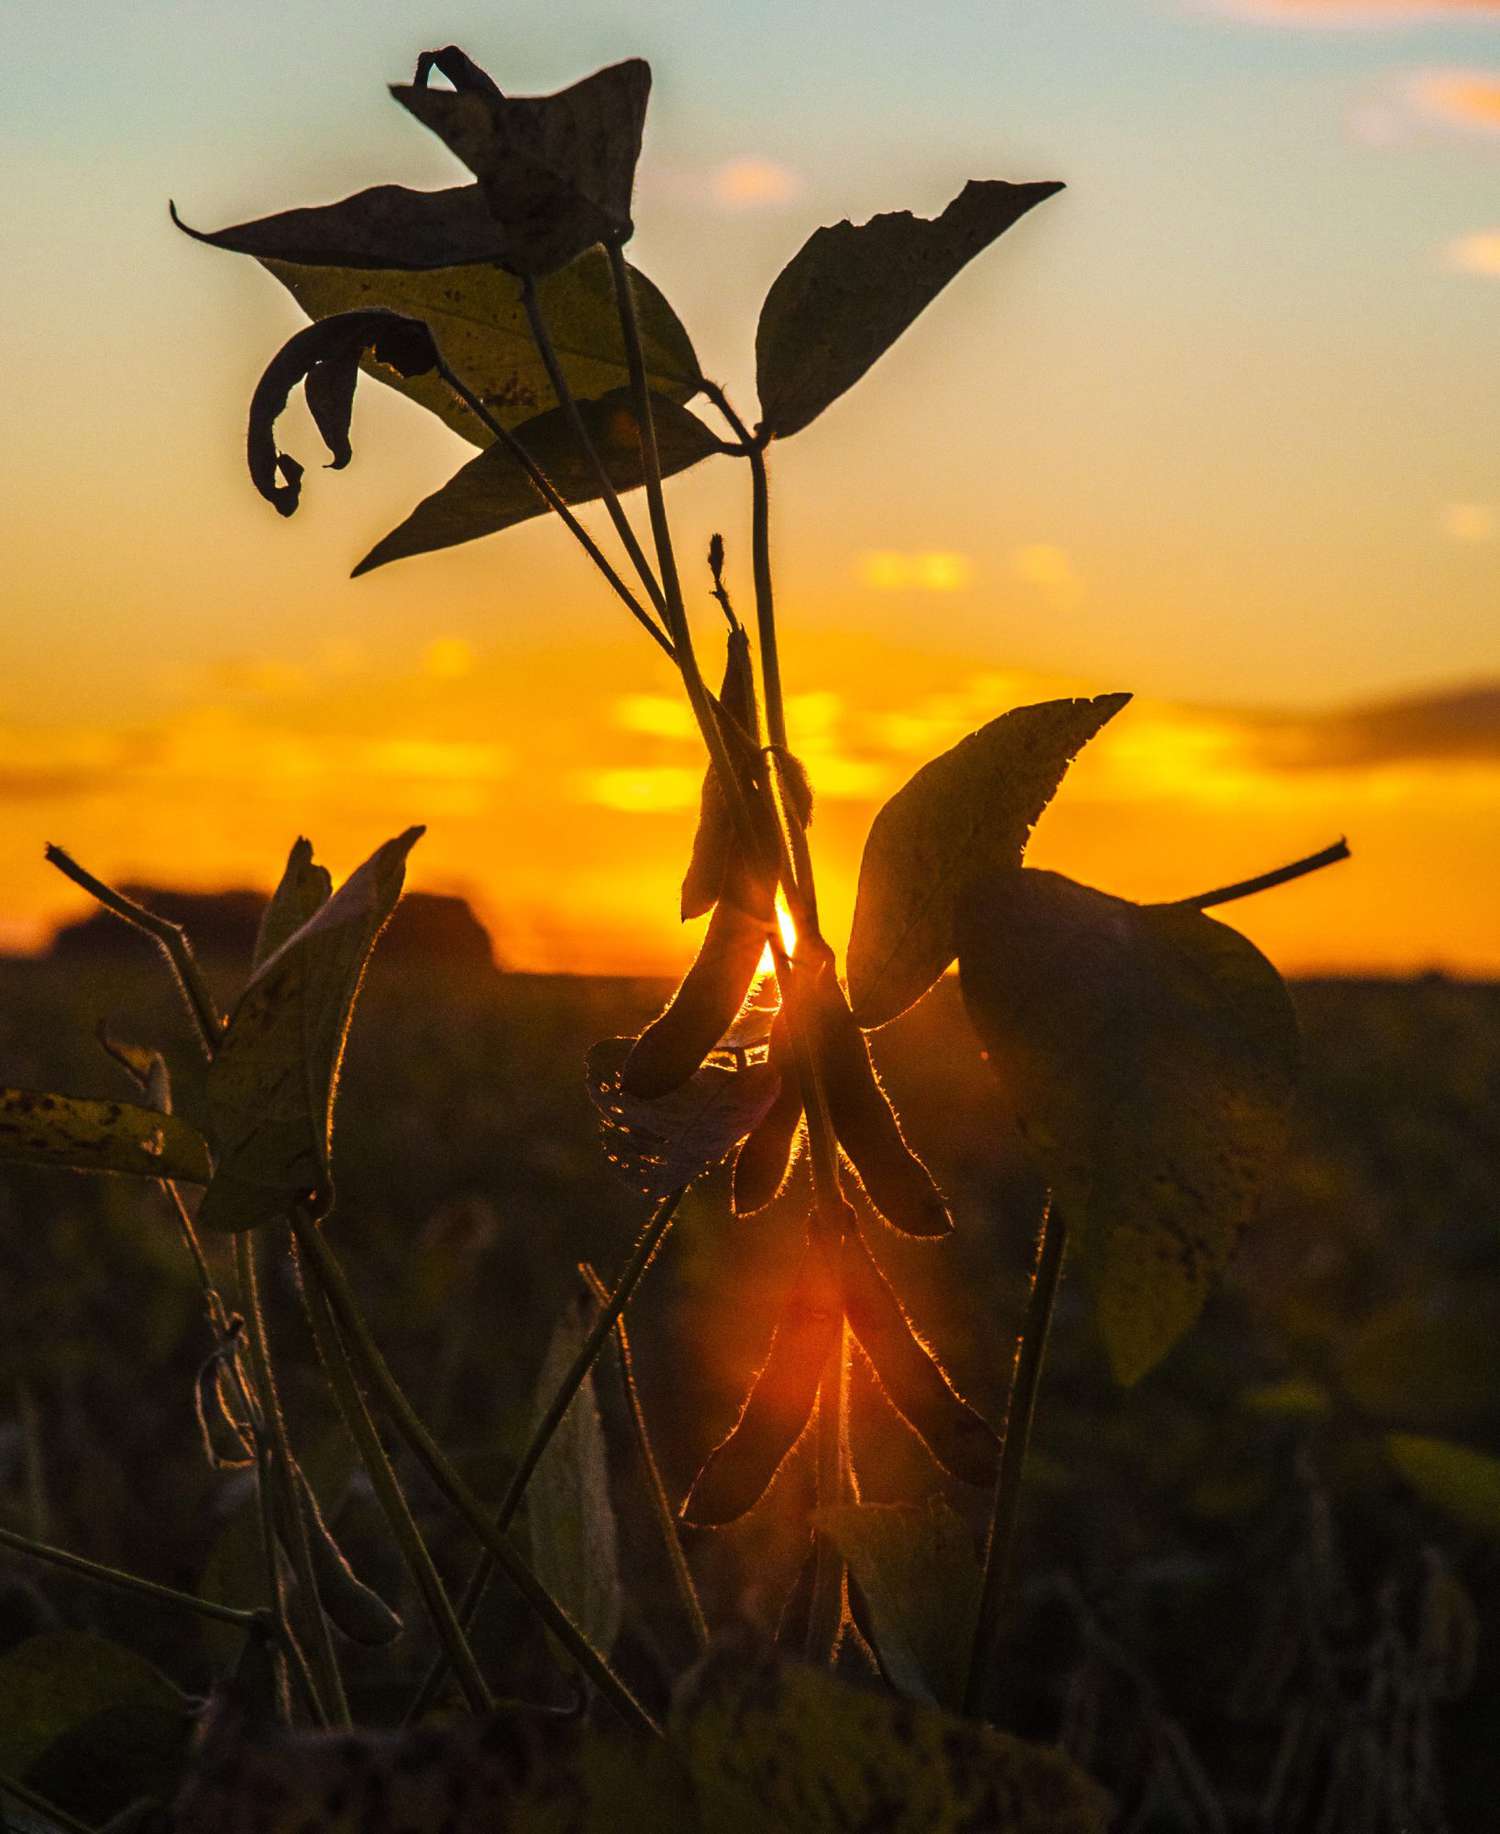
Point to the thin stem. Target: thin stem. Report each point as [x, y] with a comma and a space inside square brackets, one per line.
[825, 1613]
[321, 1654]
[336, 1289]
[541, 1437]
[334, 1356]
[130, 1582]
[170, 937]
[561, 387]
[39, 1805]
[1263, 882]
[556, 503]
[666, 1517]
[1026, 1374]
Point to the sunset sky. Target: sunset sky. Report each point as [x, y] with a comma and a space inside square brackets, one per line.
[1220, 424]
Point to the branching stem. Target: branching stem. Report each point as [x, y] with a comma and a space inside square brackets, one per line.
[132, 1582]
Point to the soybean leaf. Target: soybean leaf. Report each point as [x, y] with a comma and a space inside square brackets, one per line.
[787, 1746]
[574, 1539]
[557, 172]
[973, 807]
[387, 226]
[89, 1136]
[1461, 1482]
[1149, 1055]
[304, 889]
[916, 1567]
[270, 1087]
[492, 492]
[848, 294]
[54, 1686]
[659, 1146]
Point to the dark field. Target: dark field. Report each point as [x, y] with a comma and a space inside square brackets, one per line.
[1227, 1589]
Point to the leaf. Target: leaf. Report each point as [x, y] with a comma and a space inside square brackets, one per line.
[848, 294]
[325, 357]
[55, 1685]
[493, 492]
[88, 1136]
[916, 1567]
[1149, 1055]
[557, 172]
[304, 889]
[387, 226]
[739, 1470]
[785, 1746]
[973, 807]
[702, 1009]
[660, 1146]
[270, 1088]
[1420, 1363]
[574, 1539]
[1462, 1483]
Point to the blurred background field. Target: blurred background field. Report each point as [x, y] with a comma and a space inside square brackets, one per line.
[1257, 1585]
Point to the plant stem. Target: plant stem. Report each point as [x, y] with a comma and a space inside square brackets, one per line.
[335, 1287]
[825, 1613]
[170, 937]
[555, 501]
[130, 1582]
[1031, 1349]
[334, 1356]
[39, 1805]
[1263, 882]
[666, 1517]
[561, 387]
[324, 1661]
[541, 1437]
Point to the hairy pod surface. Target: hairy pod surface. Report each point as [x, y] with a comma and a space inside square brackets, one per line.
[703, 1008]
[767, 1153]
[739, 1470]
[894, 1178]
[915, 1383]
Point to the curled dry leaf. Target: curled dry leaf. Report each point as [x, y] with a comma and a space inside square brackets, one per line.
[88, 1136]
[915, 1383]
[270, 1087]
[973, 807]
[739, 1470]
[659, 1146]
[703, 1008]
[848, 294]
[325, 357]
[493, 492]
[557, 172]
[1149, 1055]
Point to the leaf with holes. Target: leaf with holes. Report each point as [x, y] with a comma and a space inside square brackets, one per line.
[493, 492]
[270, 1088]
[972, 808]
[659, 1146]
[87, 1136]
[848, 294]
[1149, 1055]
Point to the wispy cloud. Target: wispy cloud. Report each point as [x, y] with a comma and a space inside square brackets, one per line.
[902, 570]
[1478, 253]
[1469, 99]
[754, 184]
[1354, 13]
[1470, 522]
[1452, 726]
[1047, 567]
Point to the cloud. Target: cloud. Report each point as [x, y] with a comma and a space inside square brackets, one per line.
[753, 184]
[898, 570]
[1470, 522]
[1478, 253]
[448, 659]
[1336, 13]
[655, 789]
[1465, 98]
[1453, 726]
[1047, 567]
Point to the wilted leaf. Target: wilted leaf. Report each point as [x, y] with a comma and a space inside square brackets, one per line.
[493, 492]
[270, 1087]
[916, 1567]
[557, 171]
[660, 1146]
[88, 1136]
[1149, 1054]
[848, 294]
[326, 357]
[574, 1540]
[789, 1747]
[739, 1470]
[304, 889]
[1464, 1484]
[57, 1686]
[973, 807]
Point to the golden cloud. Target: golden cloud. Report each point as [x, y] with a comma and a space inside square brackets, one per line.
[1478, 253]
[1467, 98]
[898, 570]
[754, 184]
